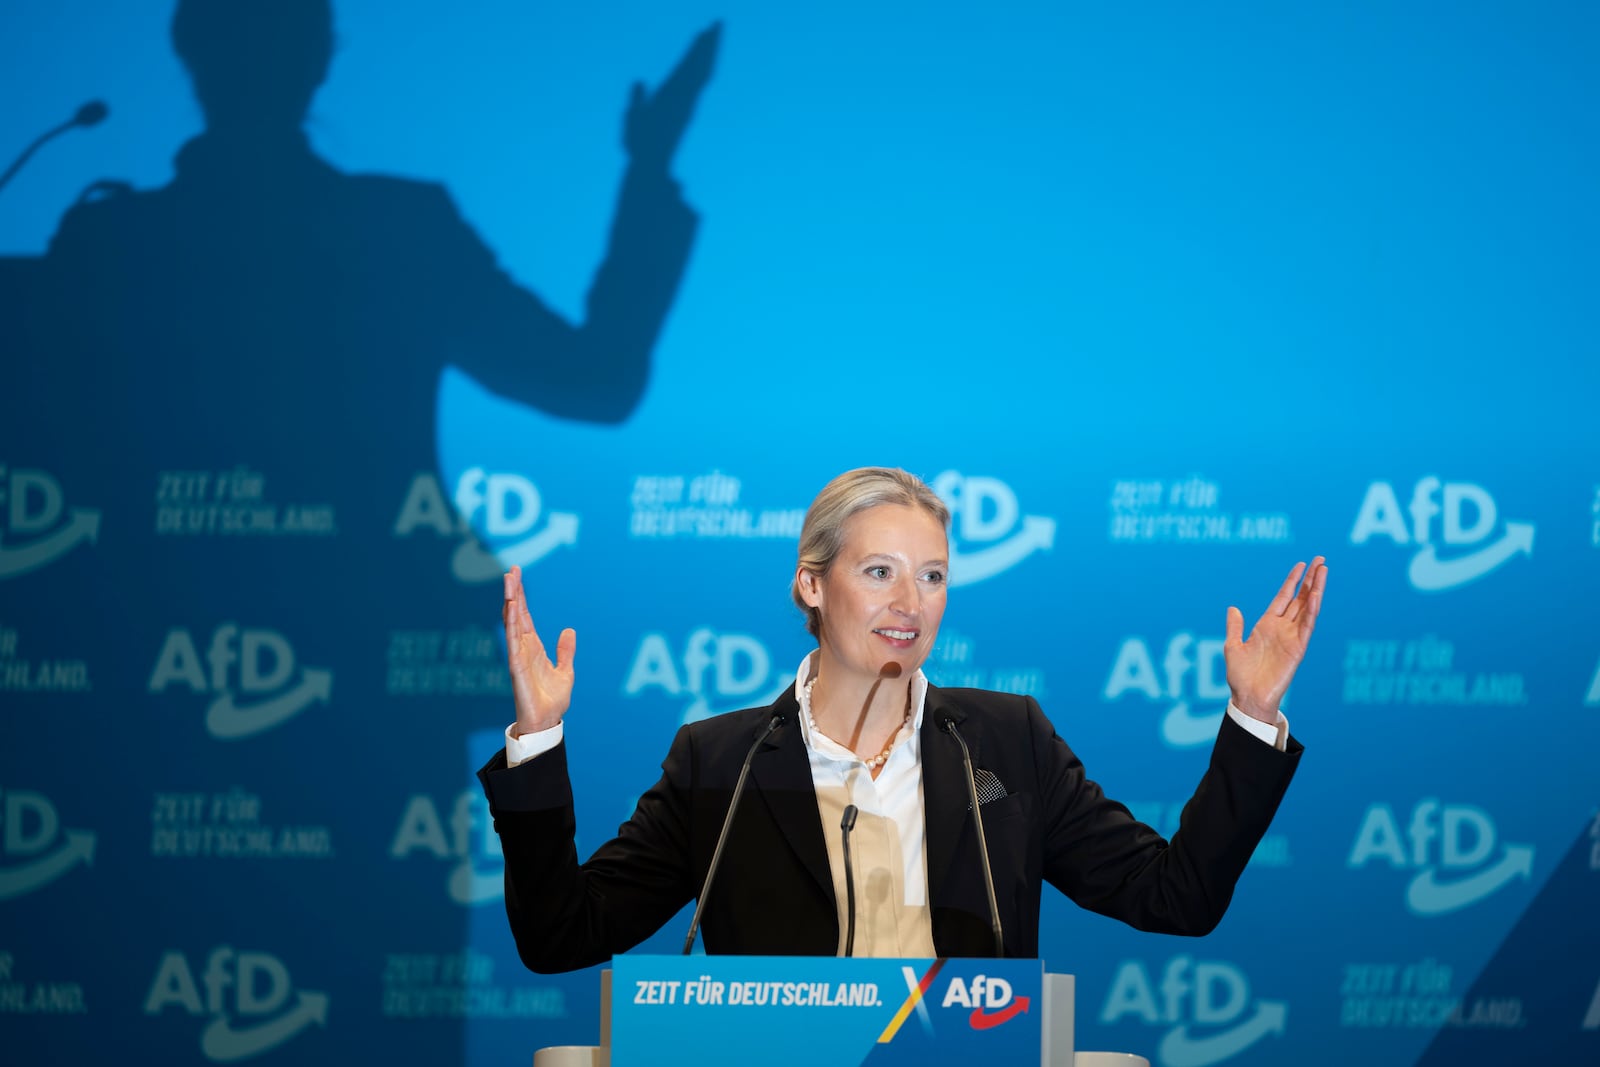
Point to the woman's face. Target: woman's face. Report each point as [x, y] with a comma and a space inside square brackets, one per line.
[882, 599]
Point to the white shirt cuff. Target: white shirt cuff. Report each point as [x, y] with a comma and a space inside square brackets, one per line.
[1275, 734]
[524, 748]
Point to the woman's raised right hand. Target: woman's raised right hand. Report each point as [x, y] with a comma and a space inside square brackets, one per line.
[542, 689]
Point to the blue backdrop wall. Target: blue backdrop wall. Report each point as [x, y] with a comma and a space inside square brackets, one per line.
[1161, 298]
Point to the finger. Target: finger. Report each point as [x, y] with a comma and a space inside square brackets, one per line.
[509, 615]
[522, 605]
[514, 611]
[1297, 603]
[519, 624]
[566, 649]
[1309, 599]
[1285, 591]
[1316, 583]
[1235, 627]
[695, 66]
[1307, 586]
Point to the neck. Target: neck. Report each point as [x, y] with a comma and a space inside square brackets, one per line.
[860, 713]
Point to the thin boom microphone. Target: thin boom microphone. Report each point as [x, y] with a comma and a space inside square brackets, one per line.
[727, 823]
[90, 114]
[949, 725]
[847, 824]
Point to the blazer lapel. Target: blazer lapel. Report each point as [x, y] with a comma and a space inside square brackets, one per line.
[781, 773]
[944, 786]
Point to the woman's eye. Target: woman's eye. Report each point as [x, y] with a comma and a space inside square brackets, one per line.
[878, 572]
[935, 577]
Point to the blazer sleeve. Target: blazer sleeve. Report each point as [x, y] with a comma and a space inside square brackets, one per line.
[1107, 861]
[566, 915]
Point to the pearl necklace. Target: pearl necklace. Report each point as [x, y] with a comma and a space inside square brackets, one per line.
[881, 758]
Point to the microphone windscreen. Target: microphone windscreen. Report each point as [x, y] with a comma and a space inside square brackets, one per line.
[92, 114]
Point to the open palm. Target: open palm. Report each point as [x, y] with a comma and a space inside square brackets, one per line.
[1261, 668]
[543, 690]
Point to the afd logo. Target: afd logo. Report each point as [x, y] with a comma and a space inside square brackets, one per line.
[716, 672]
[1450, 846]
[1207, 1005]
[1467, 515]
[37, 527]
[470, 845]
[246, 996]
[1192, 672]
[990, 999]
[267, 691]
[984, 512]
[36, 849]
[510, 506]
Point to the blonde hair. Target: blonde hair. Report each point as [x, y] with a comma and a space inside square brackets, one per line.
[852, 492]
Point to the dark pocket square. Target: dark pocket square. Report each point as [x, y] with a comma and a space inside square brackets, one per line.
[989, 787]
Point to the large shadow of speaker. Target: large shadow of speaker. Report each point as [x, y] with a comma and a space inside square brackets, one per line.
[265, 300]
[236, 375]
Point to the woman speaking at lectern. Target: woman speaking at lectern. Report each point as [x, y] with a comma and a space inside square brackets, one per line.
[862, 727]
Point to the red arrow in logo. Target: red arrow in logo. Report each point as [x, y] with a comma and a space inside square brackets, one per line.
[982, 1020]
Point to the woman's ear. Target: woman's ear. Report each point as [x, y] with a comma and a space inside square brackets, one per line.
[810, 587]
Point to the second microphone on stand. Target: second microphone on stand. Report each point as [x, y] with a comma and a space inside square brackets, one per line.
[847, 824]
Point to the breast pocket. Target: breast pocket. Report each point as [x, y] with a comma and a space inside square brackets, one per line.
[998, 811]
[1007, 830]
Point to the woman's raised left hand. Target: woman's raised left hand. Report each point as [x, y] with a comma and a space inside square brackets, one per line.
[1261, 667]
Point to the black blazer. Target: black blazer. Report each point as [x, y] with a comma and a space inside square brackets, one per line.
[774, 892]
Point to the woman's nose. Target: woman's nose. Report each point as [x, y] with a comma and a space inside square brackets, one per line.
[906, 600]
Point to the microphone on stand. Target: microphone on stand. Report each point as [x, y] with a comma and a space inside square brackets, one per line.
[847, 824]
[727, 823]
[91, 114]
[948, 725]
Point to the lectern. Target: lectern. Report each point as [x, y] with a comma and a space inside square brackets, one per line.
[722, 1011]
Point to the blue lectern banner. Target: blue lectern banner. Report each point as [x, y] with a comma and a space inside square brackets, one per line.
[803, 1011]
